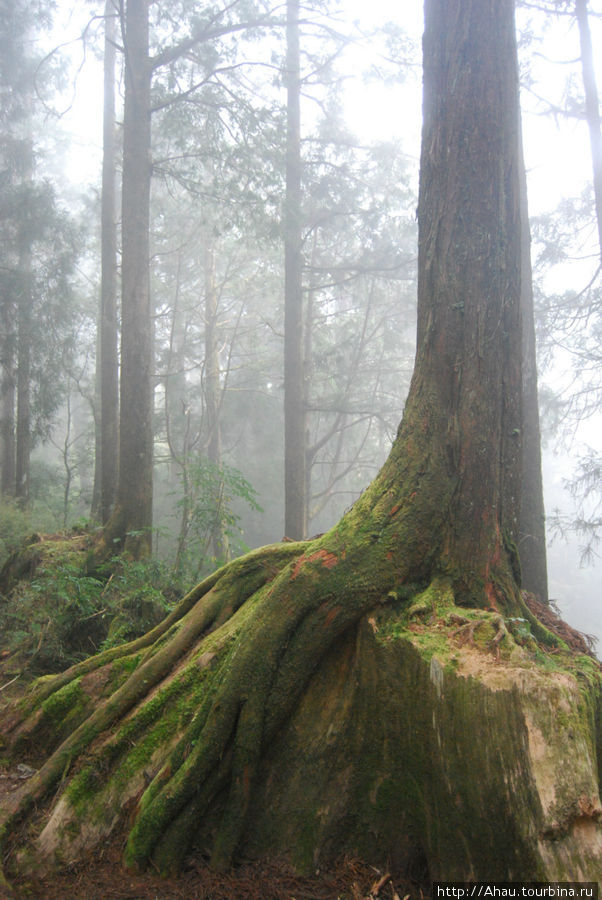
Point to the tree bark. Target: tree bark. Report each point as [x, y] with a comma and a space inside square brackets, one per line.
[219, 538]
[295, 501]
[532, 537]
[131, 522]
[592, 107]
[24, 327]
[109, 380]
[375, 690]
[23, 430]
[468, 362]
[8, 394]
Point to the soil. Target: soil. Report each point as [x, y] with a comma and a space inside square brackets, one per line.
[103, 878]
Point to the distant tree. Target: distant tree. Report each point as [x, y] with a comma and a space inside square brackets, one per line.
[532, 524]
[131, 522]
[108, 455]
[213, 396]
[295, 401]
[15, 106]
[592, 108]
[569, 322]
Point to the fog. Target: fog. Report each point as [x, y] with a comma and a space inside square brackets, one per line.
[379, 92]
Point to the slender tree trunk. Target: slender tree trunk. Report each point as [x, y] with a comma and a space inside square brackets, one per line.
[24, 325]
[107, 463]
[23, 436]
[308, 334]
[219, 538]
[95, 403]
[66, 461]
[592, 107]
[131, 521]
[295, 505]
[8, 394]
[532, 539]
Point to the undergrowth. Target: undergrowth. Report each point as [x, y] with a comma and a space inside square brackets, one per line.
[62, 614]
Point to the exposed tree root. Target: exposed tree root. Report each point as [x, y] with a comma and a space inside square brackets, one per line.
[173, 728]
[202, 611]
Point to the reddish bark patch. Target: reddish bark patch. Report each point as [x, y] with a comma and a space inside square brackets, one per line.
[246, 782]
[331, 615]
[329, 560]
[491, 595]
[298, 565]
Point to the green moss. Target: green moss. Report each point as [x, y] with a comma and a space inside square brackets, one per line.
[121, 669]
[82, 788]
[512, 551]
[65, 704]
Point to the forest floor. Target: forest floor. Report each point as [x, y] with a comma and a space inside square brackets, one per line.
[104, 879]
[101, 877]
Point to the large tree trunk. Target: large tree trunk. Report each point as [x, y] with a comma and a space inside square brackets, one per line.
[131, 521]
[376, 690]
[295, 500]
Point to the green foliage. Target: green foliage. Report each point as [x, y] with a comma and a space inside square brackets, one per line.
[63, 614]
[139, 595]
[208, 507]
[14, 525]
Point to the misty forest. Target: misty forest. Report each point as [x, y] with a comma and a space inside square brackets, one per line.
[300, 457]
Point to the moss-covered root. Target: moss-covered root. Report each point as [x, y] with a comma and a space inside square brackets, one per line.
[293, 625]
[220, 598]
[238, 579]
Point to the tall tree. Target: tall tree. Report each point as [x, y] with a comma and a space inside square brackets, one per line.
[24, 341]
[16, 162]
[37, 257]
[219, 539]
[295, 440]
[135, 487]
[592, 107]
[341, 655]
[108, 333]
[532, 531]
[131, 521]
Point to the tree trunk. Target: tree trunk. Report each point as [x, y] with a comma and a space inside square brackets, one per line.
[24, 326]
[131, 522]
[295, 501]
[219, 538]
[376, 690]
[532, 537]
[109, 386]
[8, 394]
[592, 108]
